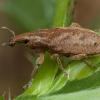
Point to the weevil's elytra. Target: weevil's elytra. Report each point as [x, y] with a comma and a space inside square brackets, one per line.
[67, 37]
[95, 43]
[74, 42]
[82, 38]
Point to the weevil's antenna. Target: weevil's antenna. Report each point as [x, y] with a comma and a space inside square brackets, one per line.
[5, 28]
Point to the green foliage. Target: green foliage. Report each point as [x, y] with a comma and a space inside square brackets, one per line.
[31, 14]
[84, 89]
[2, 97]
[64, 12]
[47, 87]
[83, 82]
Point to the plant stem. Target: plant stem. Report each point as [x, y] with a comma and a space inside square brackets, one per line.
[64, 13]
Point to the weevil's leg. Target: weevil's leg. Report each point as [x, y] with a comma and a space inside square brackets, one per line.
[75, 25]
[82, 57]
[39, 61]
[78, 56]
[88, 63]
[28, 85]
[56, 57]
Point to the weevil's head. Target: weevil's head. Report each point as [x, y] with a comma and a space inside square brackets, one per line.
[35, 40]
[22, 38]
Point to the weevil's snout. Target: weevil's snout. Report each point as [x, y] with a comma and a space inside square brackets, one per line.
[15, 40]
[10, 43]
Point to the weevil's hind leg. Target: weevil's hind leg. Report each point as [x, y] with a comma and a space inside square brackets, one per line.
[39, 61]
[75, 25]
[56, 57]
[78, 56]
[82, 58]
[88, 63]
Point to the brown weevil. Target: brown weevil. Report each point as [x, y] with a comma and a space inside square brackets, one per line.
[74, 42]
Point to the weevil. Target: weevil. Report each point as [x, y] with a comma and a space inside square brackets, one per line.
[74, 42]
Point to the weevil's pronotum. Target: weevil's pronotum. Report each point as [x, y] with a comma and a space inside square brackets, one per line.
[74, 42]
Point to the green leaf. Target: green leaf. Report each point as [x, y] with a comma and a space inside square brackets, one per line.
[84, 89]
[2, 97]
[45, 85]
[90, 82]
[91, 94]
[64, 13]
[31, 14]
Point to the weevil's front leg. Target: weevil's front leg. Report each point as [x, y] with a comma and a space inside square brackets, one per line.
[56, 57]
[39, 61]
[28, 85]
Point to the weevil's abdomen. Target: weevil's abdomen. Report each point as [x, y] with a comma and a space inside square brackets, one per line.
[74, 40]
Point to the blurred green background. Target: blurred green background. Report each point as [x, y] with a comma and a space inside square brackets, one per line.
[28, 15]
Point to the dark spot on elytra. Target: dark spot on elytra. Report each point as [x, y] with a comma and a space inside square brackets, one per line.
[82, 38]
[94, 36]
[54, 36]
[95, 43]
[73, 33]
[76, 44]
[66, 38]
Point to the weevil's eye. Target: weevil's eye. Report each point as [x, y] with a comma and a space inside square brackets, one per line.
[26, 41]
